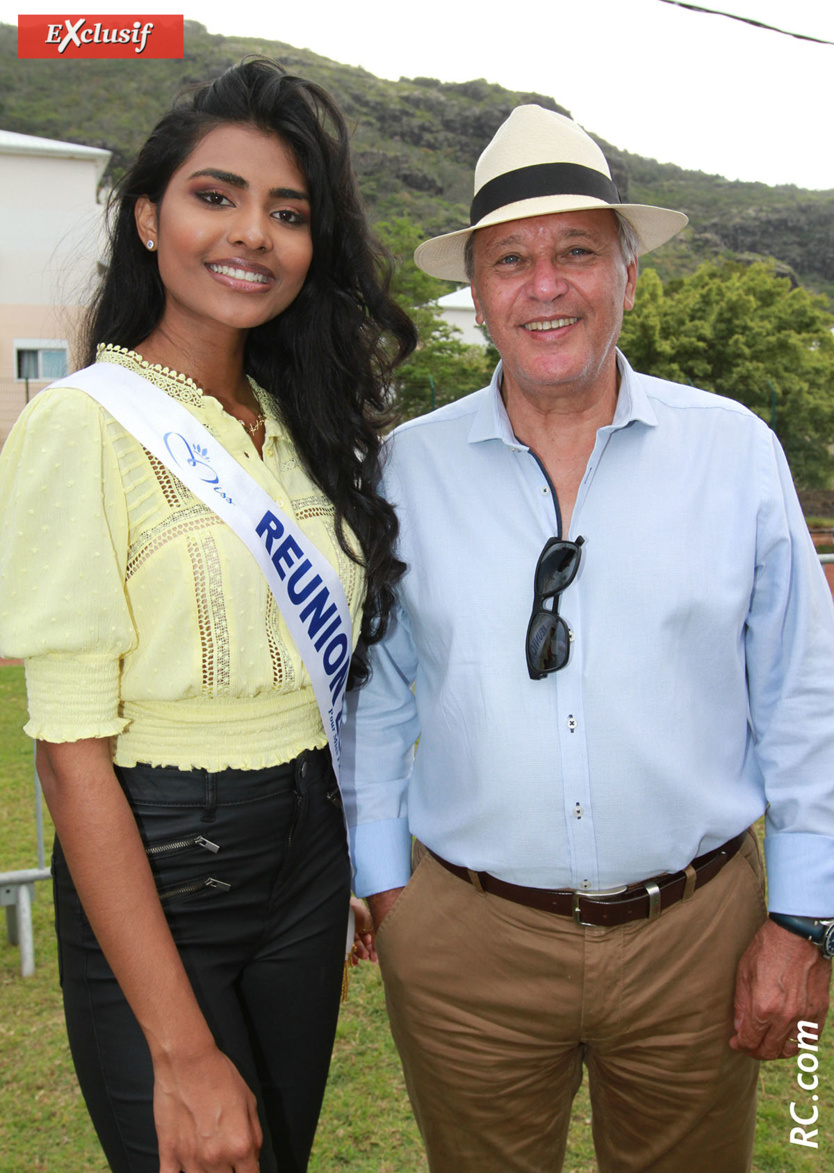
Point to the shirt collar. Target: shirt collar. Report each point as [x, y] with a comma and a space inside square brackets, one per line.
[491, 421]
[633, 404]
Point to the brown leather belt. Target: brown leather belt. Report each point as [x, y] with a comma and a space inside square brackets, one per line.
[643, 901]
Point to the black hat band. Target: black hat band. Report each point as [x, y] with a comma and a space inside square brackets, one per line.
[542, 179]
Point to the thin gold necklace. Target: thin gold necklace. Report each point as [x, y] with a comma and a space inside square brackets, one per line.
[252, 428]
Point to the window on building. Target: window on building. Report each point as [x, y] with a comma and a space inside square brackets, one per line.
[40, 360]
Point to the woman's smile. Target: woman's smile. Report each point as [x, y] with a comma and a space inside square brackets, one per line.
[242, 275]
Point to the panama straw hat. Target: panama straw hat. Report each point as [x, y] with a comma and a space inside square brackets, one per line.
[540, 162]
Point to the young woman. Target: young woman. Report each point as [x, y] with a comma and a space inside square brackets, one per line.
[201, 872]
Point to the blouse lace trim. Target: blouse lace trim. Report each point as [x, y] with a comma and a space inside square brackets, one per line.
[173, 383]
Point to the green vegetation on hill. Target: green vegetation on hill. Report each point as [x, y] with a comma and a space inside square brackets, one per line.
[707, 314]
[415, 143]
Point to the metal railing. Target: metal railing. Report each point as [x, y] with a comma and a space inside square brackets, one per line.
[17, 892]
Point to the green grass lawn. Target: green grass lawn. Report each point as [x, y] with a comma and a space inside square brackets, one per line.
[366, 1125]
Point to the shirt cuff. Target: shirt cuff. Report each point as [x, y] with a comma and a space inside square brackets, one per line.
[800, 873]
[72, 697]
[381, 854]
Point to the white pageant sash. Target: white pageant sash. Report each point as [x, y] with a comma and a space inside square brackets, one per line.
[307, 589]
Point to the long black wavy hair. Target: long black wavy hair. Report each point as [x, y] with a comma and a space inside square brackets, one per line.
[328, 359]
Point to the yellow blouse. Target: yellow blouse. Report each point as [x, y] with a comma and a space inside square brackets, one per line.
[138, 613]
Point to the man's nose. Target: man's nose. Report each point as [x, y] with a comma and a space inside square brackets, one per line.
[547, 281]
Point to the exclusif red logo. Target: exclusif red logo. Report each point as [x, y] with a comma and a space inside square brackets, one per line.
[91, 37]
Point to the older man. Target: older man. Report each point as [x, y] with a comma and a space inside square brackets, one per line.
[622, 645]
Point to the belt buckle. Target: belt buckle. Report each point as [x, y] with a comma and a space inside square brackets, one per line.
[599, 894]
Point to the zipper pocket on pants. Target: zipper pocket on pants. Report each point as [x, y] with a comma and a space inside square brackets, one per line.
[195, 886]
[182, 845]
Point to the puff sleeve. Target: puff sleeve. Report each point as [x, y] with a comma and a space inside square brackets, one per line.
[63, 553]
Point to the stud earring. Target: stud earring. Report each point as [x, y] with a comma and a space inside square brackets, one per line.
[150, 245]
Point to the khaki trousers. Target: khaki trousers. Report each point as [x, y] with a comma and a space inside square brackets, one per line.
[494, 1007]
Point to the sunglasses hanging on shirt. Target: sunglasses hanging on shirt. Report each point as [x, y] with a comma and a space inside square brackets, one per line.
[548, 635]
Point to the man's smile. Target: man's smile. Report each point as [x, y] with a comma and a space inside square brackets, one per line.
[552, 324]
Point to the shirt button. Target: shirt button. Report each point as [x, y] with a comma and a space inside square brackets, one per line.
[578, 811]
[545, 490]
[572, 723]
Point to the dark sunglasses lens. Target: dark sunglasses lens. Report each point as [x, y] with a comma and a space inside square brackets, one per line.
[548, 642]
[556, 568]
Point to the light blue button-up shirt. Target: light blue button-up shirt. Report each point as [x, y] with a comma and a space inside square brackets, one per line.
[700, 687]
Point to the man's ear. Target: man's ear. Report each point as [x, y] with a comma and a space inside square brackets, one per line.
[147, 223]
[479, 313]
[631, 286]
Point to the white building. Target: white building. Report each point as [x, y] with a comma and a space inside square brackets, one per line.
[50, 234]
[458, 309]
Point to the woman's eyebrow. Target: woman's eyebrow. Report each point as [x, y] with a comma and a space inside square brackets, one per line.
[281, 193]
[221, 176]
[288, 193]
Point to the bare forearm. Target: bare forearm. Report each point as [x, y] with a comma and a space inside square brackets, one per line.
[205, 1115]
[111, 873]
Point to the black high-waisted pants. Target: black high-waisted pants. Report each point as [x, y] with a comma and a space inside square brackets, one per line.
[252, 870]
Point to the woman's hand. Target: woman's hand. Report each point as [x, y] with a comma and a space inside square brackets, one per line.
[363, 937]
[206, 1117]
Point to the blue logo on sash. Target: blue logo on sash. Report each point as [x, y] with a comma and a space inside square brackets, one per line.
[181, 452]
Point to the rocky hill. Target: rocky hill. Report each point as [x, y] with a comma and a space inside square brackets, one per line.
[415, 144]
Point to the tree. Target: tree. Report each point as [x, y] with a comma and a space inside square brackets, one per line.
[745, 333]
[442, 368]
